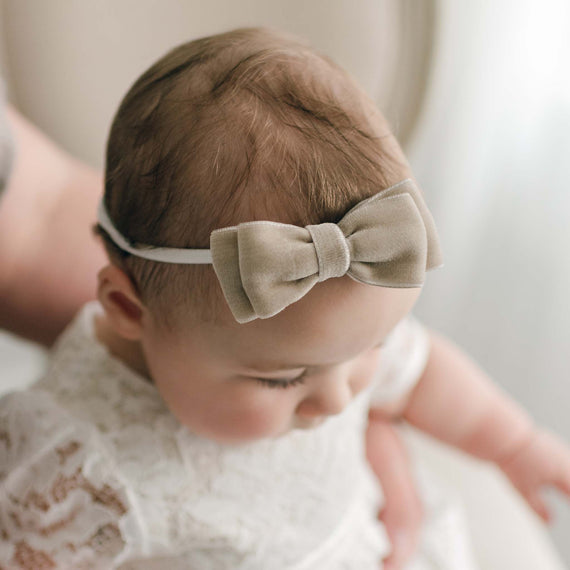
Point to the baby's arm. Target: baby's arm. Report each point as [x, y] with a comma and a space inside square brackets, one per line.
[402, 511]
[456, 402]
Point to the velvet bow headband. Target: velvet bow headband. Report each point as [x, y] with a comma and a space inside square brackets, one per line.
[389, 240]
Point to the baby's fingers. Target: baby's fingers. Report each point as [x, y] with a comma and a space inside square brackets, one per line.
[539, 506]
[562, 480]
[563, 484]
[402, 516]
[402, 549]
[543, 462]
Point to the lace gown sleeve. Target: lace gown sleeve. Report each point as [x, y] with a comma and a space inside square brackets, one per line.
[402, 360]
[61, 507]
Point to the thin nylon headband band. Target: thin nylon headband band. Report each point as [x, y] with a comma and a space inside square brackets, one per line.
[165, 254]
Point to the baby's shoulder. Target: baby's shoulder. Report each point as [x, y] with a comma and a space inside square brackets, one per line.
[403, 358]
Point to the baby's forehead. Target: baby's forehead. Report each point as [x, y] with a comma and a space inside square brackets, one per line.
[337, 319]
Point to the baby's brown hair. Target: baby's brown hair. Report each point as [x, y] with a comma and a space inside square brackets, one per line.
[247, 125]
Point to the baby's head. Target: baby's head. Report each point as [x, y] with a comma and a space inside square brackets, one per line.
[243, 126]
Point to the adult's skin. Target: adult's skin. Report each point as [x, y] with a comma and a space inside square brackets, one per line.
[48, 255]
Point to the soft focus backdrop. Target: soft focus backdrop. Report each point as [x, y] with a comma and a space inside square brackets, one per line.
[492, 151]
[478, 92]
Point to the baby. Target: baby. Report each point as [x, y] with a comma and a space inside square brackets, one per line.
[216, 407]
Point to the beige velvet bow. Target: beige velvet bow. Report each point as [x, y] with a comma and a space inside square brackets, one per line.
[388, 240]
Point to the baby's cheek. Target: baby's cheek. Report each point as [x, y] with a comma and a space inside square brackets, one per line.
[252, 414]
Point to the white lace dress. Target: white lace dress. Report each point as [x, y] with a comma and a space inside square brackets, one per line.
[96, 473]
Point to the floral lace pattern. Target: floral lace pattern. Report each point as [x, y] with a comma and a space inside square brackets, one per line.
[59, 499]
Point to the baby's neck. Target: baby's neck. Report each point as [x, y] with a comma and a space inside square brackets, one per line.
[127, 351]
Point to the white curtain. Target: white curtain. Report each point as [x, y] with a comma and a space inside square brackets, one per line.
[492, 152]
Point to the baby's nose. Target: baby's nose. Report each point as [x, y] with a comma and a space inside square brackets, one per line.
[330, 395]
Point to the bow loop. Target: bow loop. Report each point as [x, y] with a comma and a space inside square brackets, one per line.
[388, 243]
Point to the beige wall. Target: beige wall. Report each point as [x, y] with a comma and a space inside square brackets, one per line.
[68, 62]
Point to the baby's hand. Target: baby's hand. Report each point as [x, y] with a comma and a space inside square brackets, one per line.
[402, 512]
[402, 516]
[544, 459]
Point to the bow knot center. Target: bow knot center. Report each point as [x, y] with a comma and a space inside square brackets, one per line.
[332, 250]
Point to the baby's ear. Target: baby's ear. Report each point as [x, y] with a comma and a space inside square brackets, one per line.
[122, 304]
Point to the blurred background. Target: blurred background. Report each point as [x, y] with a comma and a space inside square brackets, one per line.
[477, 92]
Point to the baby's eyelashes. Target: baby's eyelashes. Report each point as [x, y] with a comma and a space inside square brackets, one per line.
[281, 383]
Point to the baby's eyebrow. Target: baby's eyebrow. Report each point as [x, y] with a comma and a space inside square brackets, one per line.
[281, 367]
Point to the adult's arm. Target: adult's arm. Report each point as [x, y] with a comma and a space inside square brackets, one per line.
[48, 255]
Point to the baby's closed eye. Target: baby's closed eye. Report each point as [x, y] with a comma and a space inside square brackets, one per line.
[281, 382]
[290, 382]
